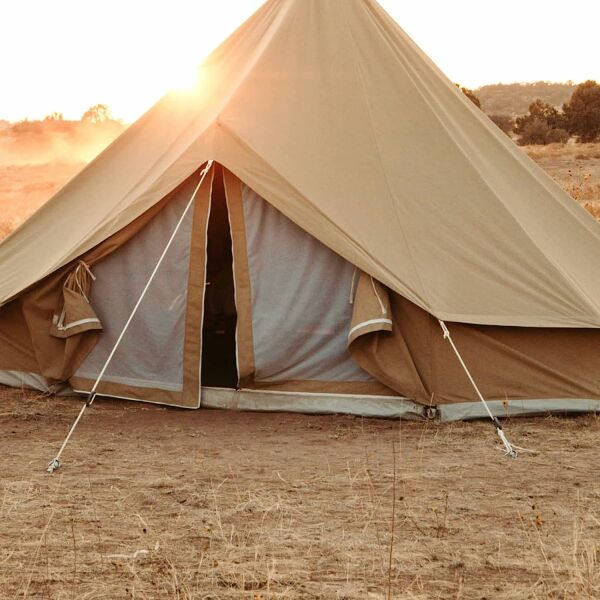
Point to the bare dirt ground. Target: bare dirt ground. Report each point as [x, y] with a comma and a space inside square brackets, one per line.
[25, 187]
[160, 503]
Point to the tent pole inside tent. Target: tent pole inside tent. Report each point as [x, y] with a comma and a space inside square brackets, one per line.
[55, 462]
[508, 448]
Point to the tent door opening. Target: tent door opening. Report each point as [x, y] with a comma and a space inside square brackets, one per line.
[219, 362]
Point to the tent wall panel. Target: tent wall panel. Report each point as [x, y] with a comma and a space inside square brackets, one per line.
[508, 363]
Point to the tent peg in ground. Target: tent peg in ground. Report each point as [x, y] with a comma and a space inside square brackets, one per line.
[509, 449]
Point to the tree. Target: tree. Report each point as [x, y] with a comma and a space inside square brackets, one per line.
[505, 123]
[470, 94]
[543, 124]
[55, 116]
[98, 113]
[536, 131]
[541, 111]
[582, 112]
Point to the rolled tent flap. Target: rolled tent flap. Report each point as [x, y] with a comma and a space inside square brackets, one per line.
[371, 306]
[508, 363]
[376, 341]
[56, 355]
[76, 314]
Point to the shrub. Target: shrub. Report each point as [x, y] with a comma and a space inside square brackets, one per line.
[544, 124]
[533, 131]
[504, 122]
[582, 112]
[557, 136]
[470, 94]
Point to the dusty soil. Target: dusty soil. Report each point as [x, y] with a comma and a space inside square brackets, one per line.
[163, 503]
[25, 187]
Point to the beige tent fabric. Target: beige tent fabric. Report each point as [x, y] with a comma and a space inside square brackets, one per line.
[508, 363]
[333, 115]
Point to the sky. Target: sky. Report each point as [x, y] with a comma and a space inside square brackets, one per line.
[67, 55]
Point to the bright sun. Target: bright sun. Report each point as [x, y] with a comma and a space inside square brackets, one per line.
[181, 78]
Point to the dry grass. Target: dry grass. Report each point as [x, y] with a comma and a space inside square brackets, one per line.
[576, 167]
[156, 503]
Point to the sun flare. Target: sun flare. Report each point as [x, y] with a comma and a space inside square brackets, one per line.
[75, 54]
[181, 78]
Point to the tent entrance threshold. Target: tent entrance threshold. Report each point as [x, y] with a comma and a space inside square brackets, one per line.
[392, 407]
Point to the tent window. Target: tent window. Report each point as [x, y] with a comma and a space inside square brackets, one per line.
[219, 365]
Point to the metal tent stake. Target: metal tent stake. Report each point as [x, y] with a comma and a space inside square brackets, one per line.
[55, 462]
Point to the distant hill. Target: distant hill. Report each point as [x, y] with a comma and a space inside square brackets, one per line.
[513, 99]
[55, 140]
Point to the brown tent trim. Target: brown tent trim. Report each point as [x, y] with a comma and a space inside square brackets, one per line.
[130, 392]
[192, 347]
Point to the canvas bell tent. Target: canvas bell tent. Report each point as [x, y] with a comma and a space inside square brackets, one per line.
[344, 199]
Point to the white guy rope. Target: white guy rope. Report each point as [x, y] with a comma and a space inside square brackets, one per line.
[508, 448]
[55, 462]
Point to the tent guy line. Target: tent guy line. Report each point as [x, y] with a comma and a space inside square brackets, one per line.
[55, 462]
[509, 449]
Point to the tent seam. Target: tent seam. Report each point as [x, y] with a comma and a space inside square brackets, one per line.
[359, 73]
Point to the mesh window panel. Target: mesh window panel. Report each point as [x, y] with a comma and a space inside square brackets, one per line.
[300, 300]
[151, 353]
